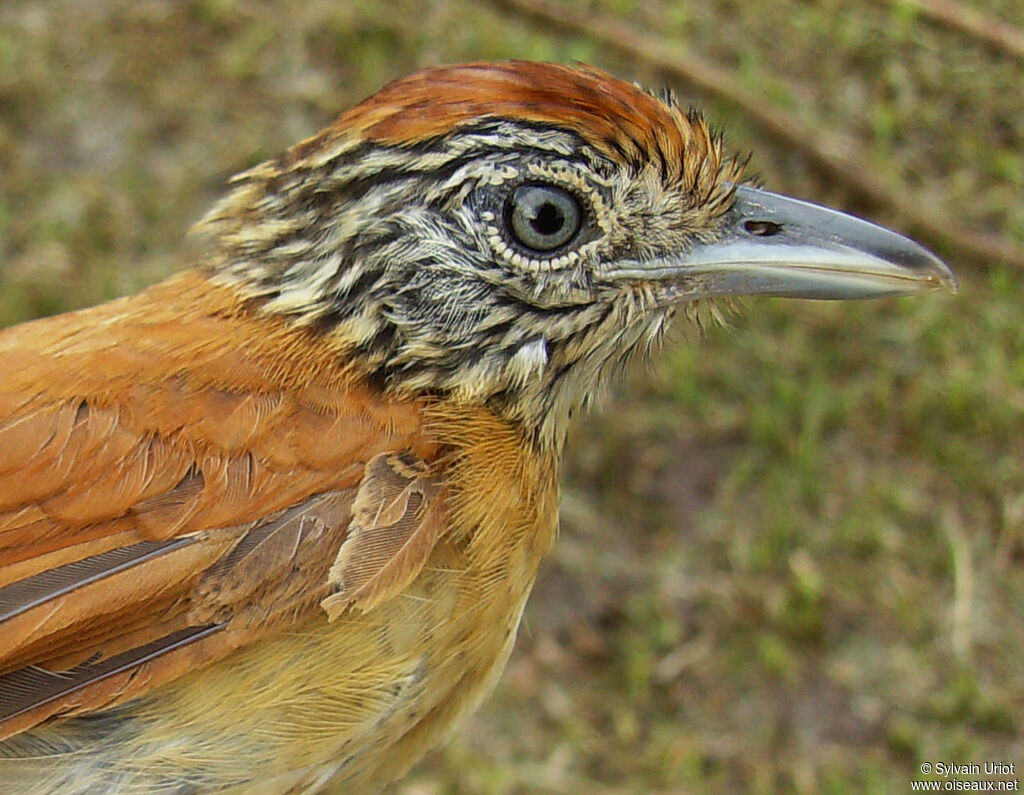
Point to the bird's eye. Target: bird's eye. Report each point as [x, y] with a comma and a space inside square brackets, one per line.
[543, 217]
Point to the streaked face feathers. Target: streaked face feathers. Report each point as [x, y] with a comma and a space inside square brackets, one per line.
[452, 231]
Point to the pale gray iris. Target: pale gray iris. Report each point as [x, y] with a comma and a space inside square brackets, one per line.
[543, 217]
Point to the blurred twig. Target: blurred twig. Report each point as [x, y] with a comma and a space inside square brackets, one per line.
[834, 156]
[971, 21]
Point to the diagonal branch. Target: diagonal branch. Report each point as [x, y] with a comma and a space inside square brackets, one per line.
[971, 21]
[828, 152]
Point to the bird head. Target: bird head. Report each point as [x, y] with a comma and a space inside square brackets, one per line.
[509, 233]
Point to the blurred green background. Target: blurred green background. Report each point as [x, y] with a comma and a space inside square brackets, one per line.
[792, 550]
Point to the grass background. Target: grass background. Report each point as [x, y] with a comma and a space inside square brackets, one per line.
[792, 553]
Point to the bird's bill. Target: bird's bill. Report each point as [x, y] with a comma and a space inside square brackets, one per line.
[774, 245]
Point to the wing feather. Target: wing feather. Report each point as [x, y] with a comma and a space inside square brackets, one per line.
[397, 516]
[175, 482]
[59, 580]
[32, 687]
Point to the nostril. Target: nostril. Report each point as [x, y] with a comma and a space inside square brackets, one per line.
[762, 228]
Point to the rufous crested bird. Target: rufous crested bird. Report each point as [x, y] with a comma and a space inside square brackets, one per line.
[272, 522]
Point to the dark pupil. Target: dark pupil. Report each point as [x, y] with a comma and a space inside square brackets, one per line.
[548, 219]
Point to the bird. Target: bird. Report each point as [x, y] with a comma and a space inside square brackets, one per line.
[269, 525]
